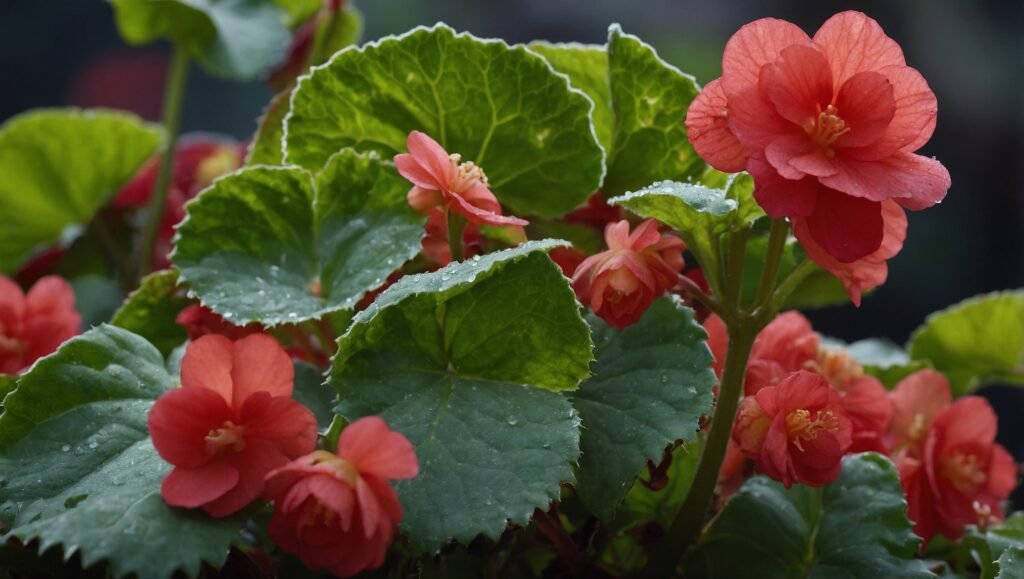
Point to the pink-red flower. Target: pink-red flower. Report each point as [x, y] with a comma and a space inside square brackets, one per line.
[796, 432]
[828, 126]
[442, 180]
[200, 320]
[337, 511]
[34, 325]
[784, 346]
[952, 470]
[620, 283]
[232, 422]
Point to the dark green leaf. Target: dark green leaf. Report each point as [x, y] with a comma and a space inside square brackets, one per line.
[501, 107]
[1011, 564]
[229, 38]
[96, 298]
[464, 361]
[274, 245]
[853, 528]
[312, 393]
[644, 504]
[978, 341]
[150, 311]
[651, 384]
[58, 167]
[79, 469]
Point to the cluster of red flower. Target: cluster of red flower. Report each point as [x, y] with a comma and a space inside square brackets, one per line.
[234, 434]
[807, 405]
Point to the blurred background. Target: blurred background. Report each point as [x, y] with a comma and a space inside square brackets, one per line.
[68, 52]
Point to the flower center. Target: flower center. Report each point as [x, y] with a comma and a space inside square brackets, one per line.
[227, 437]
[337, 466]
[319, 514]
[964, 471]
[801, 427]
[838, 367]
[826, 128]
[467, 174]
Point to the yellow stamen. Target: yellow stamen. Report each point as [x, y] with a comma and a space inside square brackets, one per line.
[228, 436]
[801, 427]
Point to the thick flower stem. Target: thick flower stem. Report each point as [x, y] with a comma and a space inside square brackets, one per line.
[773, 258]
[456, 226]
[690, 519]
[174, 96]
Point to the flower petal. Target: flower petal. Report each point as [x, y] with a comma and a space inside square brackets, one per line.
[914, 118]
[194, 487]
[754, 46]
[180, 421]
[207, 365]
[867, 104]
[854, 43]
[916, 182]
[377, 450]
[260, 364]
[782, 197]
[280, 421]
[479, 216]
[432, 158]
[798, 83]
[754, 121]
[253, 464]
[848, 228]
[707, 127]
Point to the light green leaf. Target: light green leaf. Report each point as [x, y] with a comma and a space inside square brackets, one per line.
[58, 167]
[978, 341]
[274, 245]
[853, 528]
[501, 107]
[299, 11]
[1011, 564]
[464, 361]
[267, 147]
[80, 471]
[231, 38]
[586, 65]
[150, 311]
[651, 384]
[649, 102]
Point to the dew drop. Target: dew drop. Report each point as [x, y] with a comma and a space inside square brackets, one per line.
[512, 421]
[65, 448]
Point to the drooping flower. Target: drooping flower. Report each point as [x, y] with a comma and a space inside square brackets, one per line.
[33, 325]
[442, 180]
[828, 127]
[796, 432]
[197, 162]
[232, 421]
[916, 401]
[337, 511]
[621, 282]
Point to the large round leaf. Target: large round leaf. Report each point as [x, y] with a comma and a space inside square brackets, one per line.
[58, 167]
[501, 107]
[277, 245]
[463, 361]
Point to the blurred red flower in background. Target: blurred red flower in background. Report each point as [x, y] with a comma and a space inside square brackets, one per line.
[34, 325]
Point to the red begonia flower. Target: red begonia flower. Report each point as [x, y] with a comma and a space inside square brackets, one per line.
[718, 342]
[435, 242]
[440, 180]
[337, 511]
[961, 476]
[916, 401]
[864, 399]
[200, 320]
[596, 213]
[232, 421]
[620, 283]
[567, 259]
[796, 432]
[828, 128]
[34, 325]
[784, 346]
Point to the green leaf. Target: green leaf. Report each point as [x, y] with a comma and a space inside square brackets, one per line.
[978, 341]
[334, 34]
[80, 471]
[1011, 564]
[853, 528]
[231, 38]
[649, 102]
[1006, 535]
[644, 504]
[96, 298]
[8, 383]
[464, 361]
[274, 245]
[267, 147]
[586, 65]
[501, 107]
[312, 393]
[299, 11]
[58, 167]
[150, 311]
[651, 384]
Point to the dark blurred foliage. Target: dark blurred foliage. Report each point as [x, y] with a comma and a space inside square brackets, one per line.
[67, 52]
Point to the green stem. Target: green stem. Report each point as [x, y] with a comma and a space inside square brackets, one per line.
[101, 231]
[794, 279]
[773, 258]
[174, 97]
[734, 270]
[456, 225]
[690, 519]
